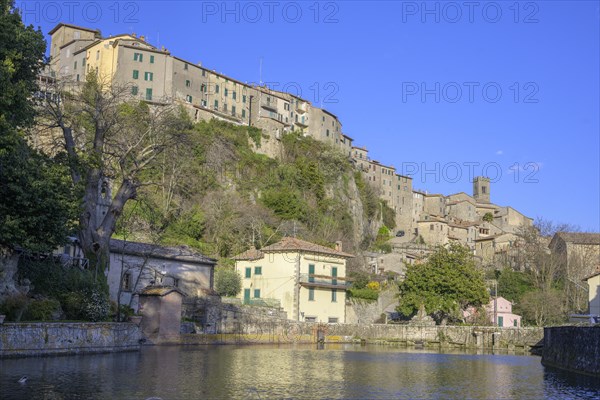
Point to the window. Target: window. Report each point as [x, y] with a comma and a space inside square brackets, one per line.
[151, 59]
[216, 88]
[134, 90]
[136, 74]
[332, 320]
[138, 57]
[333, 295]
[148, 94]
[257, 293]
[311, 272]
[77, 77]
[431, 227]
[233, 95]
[257, 270]
[188, 83]
[225, 92]
[483, 189]
[188, 98]
[233, 110]
[248, 272]
[243, 113]
[203, 73]
[243, 98]
[327, 132]
[127, 281]
[75, 65]
[203, 88]
[334, 273]
[83, 62]
[148, 76]
[515, 324]
[311, 294]
[310, 319]
[216, 104]
[175, 282]
[185, 66]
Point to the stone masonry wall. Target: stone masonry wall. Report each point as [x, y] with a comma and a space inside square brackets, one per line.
[36, 339]
[573, 348]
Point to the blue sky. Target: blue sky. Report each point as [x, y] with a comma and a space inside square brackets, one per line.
[441, 89]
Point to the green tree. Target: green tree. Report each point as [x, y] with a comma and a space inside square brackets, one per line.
[446, 284]
[488, 217]
[512, 285]
[35, 201]
[227, 282]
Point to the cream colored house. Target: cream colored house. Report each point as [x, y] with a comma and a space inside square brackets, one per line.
[593, 282]
[306, 279]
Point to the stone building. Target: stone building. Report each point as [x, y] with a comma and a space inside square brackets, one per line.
[580, 252]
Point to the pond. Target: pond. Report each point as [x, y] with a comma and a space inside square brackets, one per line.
[301, 371]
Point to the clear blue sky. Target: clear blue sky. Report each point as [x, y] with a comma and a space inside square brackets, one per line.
[443, 87]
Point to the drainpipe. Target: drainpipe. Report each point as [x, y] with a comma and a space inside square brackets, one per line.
[297, 288]
[250, 111]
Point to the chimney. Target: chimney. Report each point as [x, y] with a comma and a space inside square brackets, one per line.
[134, 34]
[143, 38]
[338, 245]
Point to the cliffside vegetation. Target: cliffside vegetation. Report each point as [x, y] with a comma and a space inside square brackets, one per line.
[221, 197]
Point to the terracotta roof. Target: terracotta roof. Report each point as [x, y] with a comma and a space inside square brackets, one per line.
[249, 255]
[580, 238]
[180, 253]
[294, 244]
[72, 26]
[159, 291]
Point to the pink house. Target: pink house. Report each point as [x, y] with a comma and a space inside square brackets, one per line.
[499, 311]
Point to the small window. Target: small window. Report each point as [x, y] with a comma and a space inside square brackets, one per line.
[175, 282]
[243, 98]
[233, 110]
[138, 57]
[310, 319]
[134, 90]
[188, 83]
[233, 95]
[127, 281]
[188, 98]
[225, 92]
[216, 88]
[203, 73]
[333, 295]
[248, 272]
[243, 113]
[257, 270]
[75, 65]
[216, 104]
[311, 294]
[77, 77]
[83, 62]
[203, 88]
[151, 59]
[148, 94]
[185, 66]
[136, 74]
[257, 293]
[148, 76]
[332, 320]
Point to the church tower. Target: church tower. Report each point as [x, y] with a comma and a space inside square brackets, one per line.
[481, 189]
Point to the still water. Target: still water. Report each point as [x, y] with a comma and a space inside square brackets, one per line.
[303, 372]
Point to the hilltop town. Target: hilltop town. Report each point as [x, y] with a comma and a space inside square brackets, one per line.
[158, 77]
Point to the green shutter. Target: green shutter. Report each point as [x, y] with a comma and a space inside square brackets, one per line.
[151, 59]
[257, 270]
[257, 293]
[248, 272]
[334, 275]
[311, 271]
[311, 294]
[246, 296]
[333, 295]
[136, 74]
[148, 94]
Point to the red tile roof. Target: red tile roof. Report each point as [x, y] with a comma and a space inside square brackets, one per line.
[249, 255]
[294, 244]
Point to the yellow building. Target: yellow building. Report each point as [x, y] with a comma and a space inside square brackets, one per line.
[593, 282]
[306, 279]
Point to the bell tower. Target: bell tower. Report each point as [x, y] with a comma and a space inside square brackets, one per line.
[481, 189]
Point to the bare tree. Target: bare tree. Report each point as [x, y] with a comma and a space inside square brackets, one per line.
[105, 136]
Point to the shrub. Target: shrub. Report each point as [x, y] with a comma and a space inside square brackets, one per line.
[96, 306]
[14, 306]
[365, 294]
[373, 285]
[42, 310]
[227, 282]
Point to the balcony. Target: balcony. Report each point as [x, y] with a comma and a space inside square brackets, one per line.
[268, 103]
[301, 122]
[323, 281]
[301, 107]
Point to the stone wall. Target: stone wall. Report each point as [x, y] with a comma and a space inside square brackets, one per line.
[573, 348]
[359, 311]
[37, 339]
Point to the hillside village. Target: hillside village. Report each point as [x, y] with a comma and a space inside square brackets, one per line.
[308, 281]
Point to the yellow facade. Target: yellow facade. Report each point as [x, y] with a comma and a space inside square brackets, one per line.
[308, 286]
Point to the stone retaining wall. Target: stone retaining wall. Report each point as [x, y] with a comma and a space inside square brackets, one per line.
[38, 339]
[573, 348]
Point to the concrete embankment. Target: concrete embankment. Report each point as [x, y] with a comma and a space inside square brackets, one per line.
[573, 348]
[40, 339]
[466, 337]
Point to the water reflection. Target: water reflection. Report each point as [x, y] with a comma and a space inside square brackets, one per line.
[265, 372]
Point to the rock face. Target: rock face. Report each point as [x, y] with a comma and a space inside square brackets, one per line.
[8, 270]
[573, 348]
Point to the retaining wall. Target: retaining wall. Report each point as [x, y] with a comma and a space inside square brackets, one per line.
[38, 339]
[573, 348]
